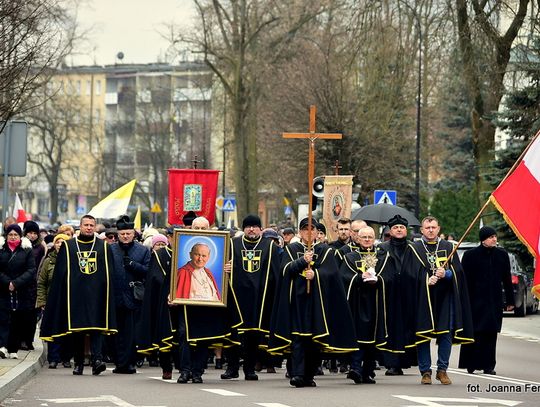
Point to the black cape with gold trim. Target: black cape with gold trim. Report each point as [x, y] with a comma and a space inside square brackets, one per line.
[399, 294]
[443, 307]
[255, 269]
[323, 314]
[81, 297]
[157, 327]
[365, 300]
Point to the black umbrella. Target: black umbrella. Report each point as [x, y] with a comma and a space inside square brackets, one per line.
[382, 213]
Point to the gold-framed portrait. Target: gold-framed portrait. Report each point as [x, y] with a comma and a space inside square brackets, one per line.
[197, 274]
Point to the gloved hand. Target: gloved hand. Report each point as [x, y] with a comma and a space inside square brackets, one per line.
[128, 263]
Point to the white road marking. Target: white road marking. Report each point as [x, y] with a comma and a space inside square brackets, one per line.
[438, 401]
[161, 379]
[272, 405]
[223, 392]
[100, 399]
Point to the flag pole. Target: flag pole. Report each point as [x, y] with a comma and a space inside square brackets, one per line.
[473, 222]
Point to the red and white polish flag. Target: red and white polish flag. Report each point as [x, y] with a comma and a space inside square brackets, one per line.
[518, 199]
[18, 211]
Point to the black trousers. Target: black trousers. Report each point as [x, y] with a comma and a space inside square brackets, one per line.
[248, 350]
[126, 351]
[96, 345]
[305, 357]
[192, 358]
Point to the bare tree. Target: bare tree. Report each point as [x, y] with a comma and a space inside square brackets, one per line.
[240, 41]
[485, 49]
[59, 131]
[34, 36]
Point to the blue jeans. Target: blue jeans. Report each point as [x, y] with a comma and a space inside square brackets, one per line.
[443, 353]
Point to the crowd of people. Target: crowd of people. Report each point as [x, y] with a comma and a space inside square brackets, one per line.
[103, 295]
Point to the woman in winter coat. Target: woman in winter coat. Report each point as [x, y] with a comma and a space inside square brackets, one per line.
[17, 289]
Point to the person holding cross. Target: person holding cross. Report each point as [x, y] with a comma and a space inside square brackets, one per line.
[311, 311]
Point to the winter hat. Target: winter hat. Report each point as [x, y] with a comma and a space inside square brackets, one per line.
[304, 223]
[251, 220]
[188, 218]
[124, 223]
[397, 220]
[159, 238]
[14, 227]
[61, 236]
[270, 233]
[321, 228]
[31, 226]
[486, 232]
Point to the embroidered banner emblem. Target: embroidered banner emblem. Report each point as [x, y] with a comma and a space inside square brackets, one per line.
[251, 260]
[193, 197]
[87, 262]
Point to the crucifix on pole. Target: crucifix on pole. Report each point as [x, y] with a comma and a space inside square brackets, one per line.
[311, 136]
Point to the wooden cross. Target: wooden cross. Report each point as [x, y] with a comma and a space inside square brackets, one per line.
[337, 167]
[311, 136]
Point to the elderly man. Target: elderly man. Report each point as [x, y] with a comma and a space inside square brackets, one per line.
[363, 288]
[80, 299]
[195, 281]
[487, 269]
[442, 301]
[255, 268]
[131, 261]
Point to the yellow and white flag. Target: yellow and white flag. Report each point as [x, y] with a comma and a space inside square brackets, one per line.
[115, 204]
[137, 219]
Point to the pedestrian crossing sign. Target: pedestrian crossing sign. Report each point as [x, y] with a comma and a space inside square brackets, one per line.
[385, 196]
[229, 205]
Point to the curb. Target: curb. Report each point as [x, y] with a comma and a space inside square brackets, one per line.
[21, 373]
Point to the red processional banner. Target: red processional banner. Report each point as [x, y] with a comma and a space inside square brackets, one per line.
[192, 190]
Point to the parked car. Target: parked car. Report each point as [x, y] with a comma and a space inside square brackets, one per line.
[525, 301]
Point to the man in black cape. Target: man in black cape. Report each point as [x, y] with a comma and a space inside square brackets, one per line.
[195, 328]
[81, 297]
[395, 257]
[306, 323]
[255, 267]
[442, 301]
[363, 288]
[487, 269]
[157, 326]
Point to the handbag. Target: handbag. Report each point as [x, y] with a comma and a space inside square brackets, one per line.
[138, 289]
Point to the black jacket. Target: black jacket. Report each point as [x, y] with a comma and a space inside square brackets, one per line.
[487, 270]
[18, 267]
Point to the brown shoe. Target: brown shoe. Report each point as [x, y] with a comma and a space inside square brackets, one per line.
[426, 377]
[166, 376]
[443, 377]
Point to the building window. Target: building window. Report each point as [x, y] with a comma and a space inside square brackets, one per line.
[43, 206]
[88, 88]
[78, 87]
[98, 88]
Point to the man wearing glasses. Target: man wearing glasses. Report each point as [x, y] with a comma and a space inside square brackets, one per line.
[344, 233]
[359, 270]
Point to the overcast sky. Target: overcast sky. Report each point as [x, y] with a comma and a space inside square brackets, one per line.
[129, 26]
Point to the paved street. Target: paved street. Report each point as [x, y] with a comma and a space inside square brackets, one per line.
[517, 383]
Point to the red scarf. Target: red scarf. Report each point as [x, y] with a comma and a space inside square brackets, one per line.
[13, 244]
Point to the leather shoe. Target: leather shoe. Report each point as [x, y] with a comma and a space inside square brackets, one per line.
[443, 377]
[196, 379]
[394, 371]
[184, 378]
[78, 370]
[310, 383]
[98, 366]
[125, 370]
[368, 380]
[230, 374]
[354, 376]
[297, 381]
[490, 371]
[470, 371]
[251, 376]
[52, 365]
[166, 376]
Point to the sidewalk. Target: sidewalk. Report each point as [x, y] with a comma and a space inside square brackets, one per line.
[16, 372]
